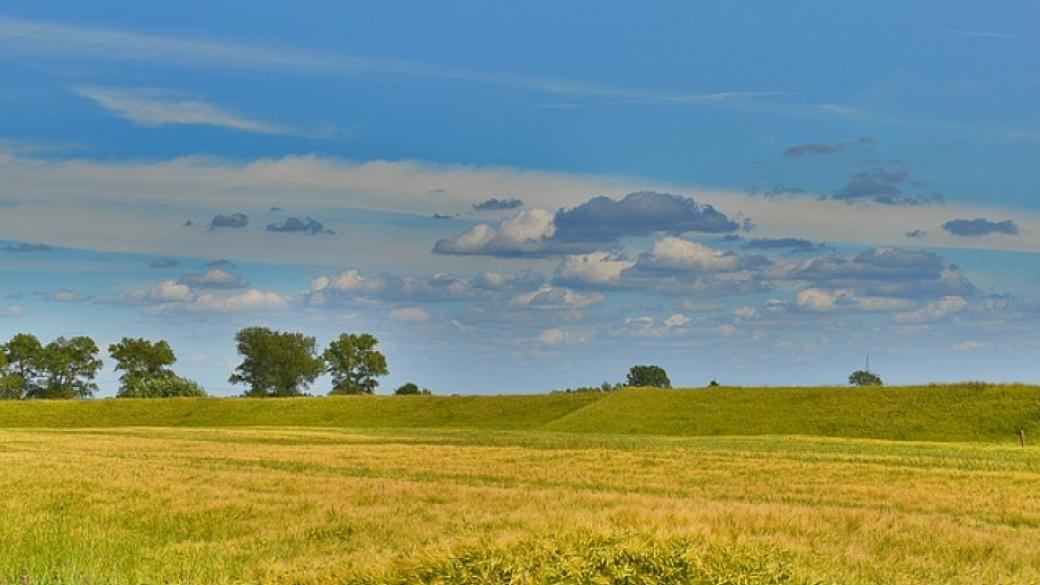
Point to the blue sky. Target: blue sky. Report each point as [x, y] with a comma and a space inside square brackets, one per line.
[753, 192]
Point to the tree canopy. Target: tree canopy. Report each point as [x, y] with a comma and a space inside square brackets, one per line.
[141, 359]
[66, 368]
[648, 376]
[864, 378]
[275, 363]
[354, 364]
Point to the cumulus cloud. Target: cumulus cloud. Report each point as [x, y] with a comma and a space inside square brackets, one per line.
[814, 299]
[935, 310]
[885, 186]
[674, 266]
[556, 298]
[637, 214]
[295, 225]
[494, 204]
[250, 300]
[174, 297]
[678, 254]
[410, 315]
[556, 336]
[216, 278]
[168, 291]
[820, 300]
[508, 281]
[885, 272]
[817, 148]
[352, 285]
[234, 220]
[647, 326]
[597, 222]
[980, 227]
[529, 232]
[597, 268]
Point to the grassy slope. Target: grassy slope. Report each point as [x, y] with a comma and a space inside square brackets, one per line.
[475, 412]
[934, 413]
[929, 413]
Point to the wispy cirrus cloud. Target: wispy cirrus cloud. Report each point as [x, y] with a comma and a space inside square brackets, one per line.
[49, 38]
[158, 107]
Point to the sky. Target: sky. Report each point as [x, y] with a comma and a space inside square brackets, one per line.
[520, 197]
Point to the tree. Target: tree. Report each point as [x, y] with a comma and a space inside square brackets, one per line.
[410, 389]
[67, 368]
[648, 376]
[275, 363]
[165, 385]
[864, 378]
[10, 385]
[22, 354]
[355, 364]
[141, 360]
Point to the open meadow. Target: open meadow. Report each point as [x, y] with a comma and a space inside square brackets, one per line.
[551, 497]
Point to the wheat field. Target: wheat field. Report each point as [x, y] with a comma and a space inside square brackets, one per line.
[292, 505]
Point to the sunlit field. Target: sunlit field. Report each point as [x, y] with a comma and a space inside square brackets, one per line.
[322, 505]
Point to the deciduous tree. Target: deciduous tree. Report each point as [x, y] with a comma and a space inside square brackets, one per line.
[275, 363]
[864, 378]
[67, 368]
[355, 364]
[648, 376]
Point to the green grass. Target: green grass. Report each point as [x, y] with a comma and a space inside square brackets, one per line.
[964, 412]
[473, 412]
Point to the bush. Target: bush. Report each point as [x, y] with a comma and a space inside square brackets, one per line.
[165, 386]
[410, 389]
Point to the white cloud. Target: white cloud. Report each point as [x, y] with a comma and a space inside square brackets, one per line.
[126, 206]
[596, 268]
[558, 337]
[151, 107]
[554, 298]
[676, 320]
[410, 315]
[745, 312]
[216, 278]
[673, 252]
[351, 284]
[527, 231]
[935, 310]
[250, 300]
[814, 299]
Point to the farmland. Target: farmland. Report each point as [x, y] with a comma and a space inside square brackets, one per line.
[795, 486]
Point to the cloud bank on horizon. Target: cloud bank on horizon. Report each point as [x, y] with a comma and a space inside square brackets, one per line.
[510, 222]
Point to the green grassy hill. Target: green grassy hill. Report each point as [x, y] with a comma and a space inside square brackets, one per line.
[473, 412]
[967, 412]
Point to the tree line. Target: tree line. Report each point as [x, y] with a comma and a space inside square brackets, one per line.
[274, 363]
